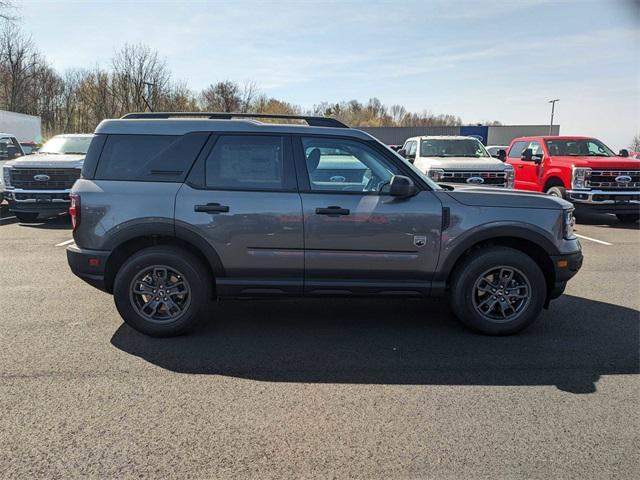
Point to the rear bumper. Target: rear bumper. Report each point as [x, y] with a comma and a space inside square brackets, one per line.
[89, 265]
[605, 201]
[565, 267]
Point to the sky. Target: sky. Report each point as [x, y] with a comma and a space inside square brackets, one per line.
[480, 60]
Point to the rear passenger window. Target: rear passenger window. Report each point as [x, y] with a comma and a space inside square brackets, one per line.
[248, 163]
[153, 158]
[517, 149]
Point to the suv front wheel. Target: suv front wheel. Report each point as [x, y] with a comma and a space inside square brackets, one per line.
[162, 291]
[498, 291]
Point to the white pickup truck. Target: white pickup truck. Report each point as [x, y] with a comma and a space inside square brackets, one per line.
[457, 160]
[40, 184]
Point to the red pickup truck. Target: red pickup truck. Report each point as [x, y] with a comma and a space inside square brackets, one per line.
[582, 170]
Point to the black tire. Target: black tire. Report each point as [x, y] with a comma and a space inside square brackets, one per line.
[628, 217]
[464, 292]
[26, 217]
[557, 191]
[189, 270]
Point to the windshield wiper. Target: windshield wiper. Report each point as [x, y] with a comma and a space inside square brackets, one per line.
[75, 153]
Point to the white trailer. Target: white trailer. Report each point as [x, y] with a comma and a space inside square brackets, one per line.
[26, 128]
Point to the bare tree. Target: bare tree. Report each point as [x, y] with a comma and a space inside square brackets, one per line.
[135, 68]
[222, 97]
[635, 143]
[19, 65]
[8, 11]
[248, 95]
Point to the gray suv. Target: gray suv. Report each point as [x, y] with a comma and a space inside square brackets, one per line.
[174, 210]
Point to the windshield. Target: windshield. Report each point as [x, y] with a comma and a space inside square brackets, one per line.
[464, 147]
[589, 147]
[66, 145]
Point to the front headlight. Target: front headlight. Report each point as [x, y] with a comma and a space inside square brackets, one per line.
[511, 176]
[436, 174]
[580, 177]
[6, 176]
[569, 222]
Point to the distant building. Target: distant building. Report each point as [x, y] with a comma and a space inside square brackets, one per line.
[489, 135]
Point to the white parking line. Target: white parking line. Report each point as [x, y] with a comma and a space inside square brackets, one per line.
[66, 242]
[594, 240]
[6, 218]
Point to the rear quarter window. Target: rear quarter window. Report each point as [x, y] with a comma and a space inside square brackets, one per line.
[150, 158]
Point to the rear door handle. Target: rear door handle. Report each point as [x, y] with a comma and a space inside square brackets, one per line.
[212, 208]
[332, 210]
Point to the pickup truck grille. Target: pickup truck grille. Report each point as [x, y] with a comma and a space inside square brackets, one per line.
[59, 178]
[496, 179]
[606, 179]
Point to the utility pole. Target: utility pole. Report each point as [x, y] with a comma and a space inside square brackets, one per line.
[553, 107]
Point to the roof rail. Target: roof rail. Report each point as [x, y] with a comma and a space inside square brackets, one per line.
[311, 120]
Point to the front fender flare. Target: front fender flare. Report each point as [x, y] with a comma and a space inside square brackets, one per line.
[451, 253]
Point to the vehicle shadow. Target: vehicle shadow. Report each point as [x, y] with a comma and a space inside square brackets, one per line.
[603, 220]
[59, 222]
[397, 342]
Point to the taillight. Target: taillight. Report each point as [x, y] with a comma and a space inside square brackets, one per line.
[74, 210]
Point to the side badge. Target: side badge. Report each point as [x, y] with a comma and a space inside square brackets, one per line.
[419, 241]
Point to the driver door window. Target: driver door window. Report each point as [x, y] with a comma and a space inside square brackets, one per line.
[341, 165]
[536, 150]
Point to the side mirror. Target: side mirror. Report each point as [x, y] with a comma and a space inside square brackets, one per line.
[401, 186]
[409, 158]
[527, 155]
[502, 155]
[624, 153]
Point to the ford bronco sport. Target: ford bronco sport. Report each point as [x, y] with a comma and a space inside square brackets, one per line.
[457, 160]
[582, 170]
[173, 212]
[40, 183]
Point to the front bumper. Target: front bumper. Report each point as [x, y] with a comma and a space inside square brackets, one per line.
[565, 268]
[89, 265]
[40, 201]
[605, 201]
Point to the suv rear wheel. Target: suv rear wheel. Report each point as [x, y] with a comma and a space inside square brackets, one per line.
[498, 291]
[162, 291]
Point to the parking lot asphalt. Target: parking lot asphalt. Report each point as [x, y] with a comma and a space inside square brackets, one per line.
[317, 388]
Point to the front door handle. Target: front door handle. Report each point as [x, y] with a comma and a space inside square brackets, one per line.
[332, 210]
[212, 208]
